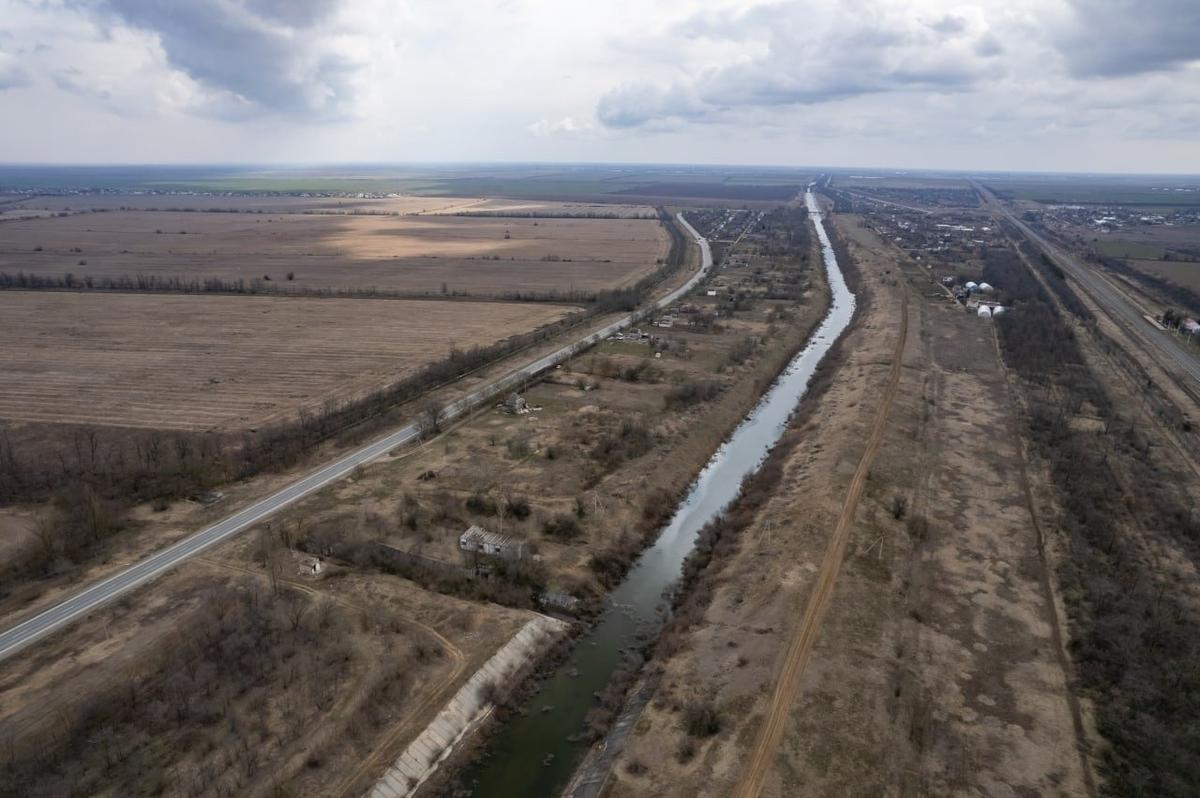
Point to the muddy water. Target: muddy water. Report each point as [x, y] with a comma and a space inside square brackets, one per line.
[536, 753]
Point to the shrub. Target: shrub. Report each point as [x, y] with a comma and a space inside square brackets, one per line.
[741, 351]
[629, 442]
[518, 447]
[562, 527]
[690, 393]
[700, 719]
[518, 507]
[481, 503]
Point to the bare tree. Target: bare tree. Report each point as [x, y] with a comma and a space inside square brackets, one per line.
[429, 417]
[46, 533]
[295, 607]
[274, 558]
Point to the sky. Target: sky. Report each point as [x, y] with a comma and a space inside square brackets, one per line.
[1050, 85]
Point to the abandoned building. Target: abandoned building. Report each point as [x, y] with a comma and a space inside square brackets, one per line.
[477, 540]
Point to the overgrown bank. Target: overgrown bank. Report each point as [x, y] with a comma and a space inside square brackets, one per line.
[1134, 638]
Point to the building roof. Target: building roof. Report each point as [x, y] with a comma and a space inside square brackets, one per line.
[480, 536]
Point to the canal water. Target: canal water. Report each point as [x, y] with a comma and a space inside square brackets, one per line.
[535, 754]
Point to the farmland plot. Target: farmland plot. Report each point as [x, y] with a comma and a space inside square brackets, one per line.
[301, 251]
[223, 362]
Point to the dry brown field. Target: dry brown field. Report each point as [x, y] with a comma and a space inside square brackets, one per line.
[392, 253]
[520, 206]
[399, 205]
[203, 362]
[246, 204]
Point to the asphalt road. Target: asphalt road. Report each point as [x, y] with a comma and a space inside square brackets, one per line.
[90, 598]
[1171, 352]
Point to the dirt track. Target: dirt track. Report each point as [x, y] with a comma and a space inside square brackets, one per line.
[805, 633]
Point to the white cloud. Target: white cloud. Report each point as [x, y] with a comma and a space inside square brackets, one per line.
[567, 125]
[252, 54]
[974, 83]
[807, 53]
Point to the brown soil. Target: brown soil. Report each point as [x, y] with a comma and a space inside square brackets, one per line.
[243, 204]
[400, 206]
[222, 362]
[394, 253]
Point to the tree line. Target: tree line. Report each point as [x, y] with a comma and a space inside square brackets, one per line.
[160, 284]
[1134, 642]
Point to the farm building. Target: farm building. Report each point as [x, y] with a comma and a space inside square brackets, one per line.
[477, 540]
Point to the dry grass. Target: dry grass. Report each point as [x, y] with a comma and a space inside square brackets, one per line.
[288, 703]
[933, 673]
[202, 362]
[247, 204]
[1179, 272]
[582, 209]
[394, 253]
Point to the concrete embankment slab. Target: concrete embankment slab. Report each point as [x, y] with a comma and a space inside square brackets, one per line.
[468, 707]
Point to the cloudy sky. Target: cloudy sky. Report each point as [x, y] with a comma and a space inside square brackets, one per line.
[1087, 85]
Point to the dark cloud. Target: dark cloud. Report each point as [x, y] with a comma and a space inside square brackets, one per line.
[299, 13]
[1112, 38]
[989, 46]
[633, 105]
[270, 54]
[950, 23]
[810, 58]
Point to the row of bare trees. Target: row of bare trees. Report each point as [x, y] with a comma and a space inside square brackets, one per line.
[1134, 639]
